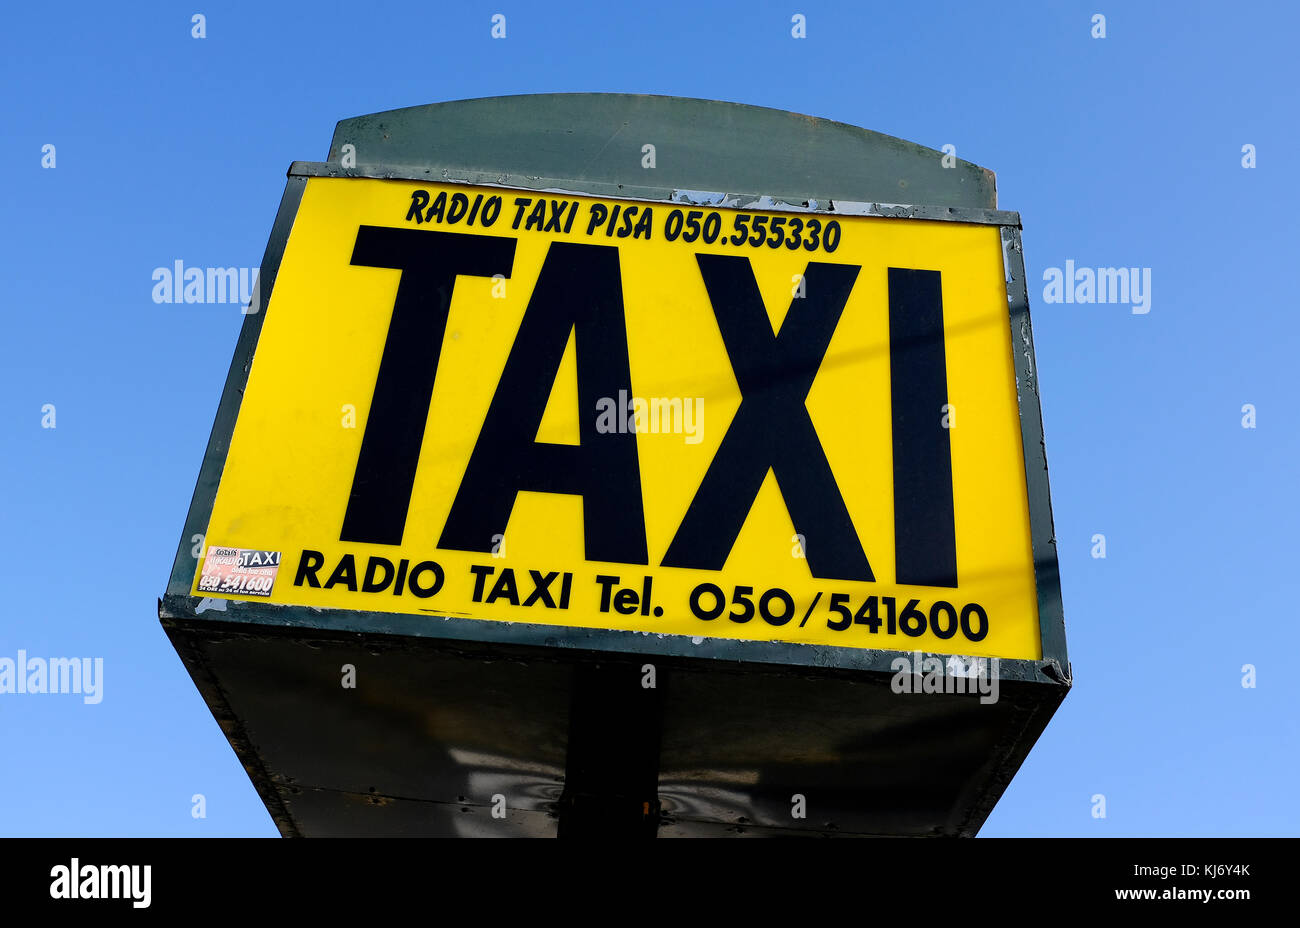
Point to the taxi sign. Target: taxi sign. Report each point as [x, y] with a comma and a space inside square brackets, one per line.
[760, 421]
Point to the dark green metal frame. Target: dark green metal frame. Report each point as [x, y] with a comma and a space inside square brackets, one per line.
[590, 144]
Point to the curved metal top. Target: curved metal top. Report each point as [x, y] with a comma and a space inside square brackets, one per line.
[699, 145]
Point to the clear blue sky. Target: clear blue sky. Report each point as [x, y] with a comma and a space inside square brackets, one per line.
[1122, 151]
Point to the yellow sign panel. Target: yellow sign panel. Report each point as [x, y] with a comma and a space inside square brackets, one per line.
[501, 405]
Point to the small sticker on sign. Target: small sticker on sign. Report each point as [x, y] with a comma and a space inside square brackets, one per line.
[239, 571]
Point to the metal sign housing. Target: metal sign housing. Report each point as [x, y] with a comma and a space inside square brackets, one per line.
[584, 661]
